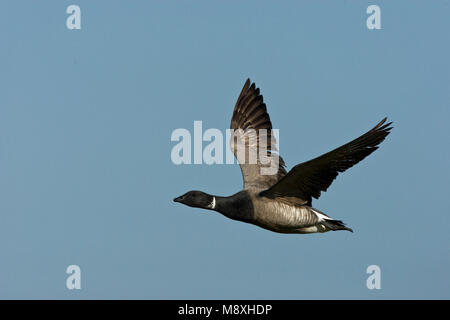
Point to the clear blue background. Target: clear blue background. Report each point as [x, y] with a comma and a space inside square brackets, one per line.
[85, 123]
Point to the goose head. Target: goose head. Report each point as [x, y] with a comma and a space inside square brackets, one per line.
[196, 199]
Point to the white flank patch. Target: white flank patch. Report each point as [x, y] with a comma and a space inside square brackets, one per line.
[321, 216]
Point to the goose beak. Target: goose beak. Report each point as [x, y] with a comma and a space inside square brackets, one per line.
[178, 199]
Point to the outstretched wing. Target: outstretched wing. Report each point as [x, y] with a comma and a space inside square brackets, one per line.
[310, 178]
[252, 141]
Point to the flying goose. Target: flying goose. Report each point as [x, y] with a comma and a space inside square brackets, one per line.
[282, 201]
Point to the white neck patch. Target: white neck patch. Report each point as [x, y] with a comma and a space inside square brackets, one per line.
[212, 205]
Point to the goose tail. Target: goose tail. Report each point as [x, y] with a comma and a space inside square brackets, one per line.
[330, 223]
[335, 225]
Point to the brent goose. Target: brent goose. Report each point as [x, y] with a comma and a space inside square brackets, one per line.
[281, 202]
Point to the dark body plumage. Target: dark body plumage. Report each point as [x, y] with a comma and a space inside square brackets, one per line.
[280, 201]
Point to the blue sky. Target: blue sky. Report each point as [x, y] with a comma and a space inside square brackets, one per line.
[85, 123]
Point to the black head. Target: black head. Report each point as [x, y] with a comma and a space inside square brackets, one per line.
[196, 199]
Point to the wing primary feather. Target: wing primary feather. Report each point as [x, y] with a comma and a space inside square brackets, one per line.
[308, 179]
